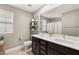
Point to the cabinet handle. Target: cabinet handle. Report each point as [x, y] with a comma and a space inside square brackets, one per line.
[42, 53]
[43, 48]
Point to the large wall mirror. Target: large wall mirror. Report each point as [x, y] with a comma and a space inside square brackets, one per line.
[63, 19]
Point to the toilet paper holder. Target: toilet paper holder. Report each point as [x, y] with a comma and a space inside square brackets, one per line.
[20, 38]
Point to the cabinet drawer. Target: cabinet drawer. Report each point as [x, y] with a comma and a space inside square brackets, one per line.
[42, 42]
[63, 49]
[43, 46]
[42, 52]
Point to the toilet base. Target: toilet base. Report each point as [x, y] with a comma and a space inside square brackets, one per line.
[27, 50]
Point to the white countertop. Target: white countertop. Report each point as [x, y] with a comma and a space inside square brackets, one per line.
[68, 41]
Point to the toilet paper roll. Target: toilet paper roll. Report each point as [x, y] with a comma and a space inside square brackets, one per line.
[21, 38]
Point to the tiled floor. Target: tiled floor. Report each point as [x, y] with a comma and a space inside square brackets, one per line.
[19, 52]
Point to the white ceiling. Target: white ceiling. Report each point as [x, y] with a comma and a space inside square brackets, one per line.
[58, 11]
[25, 7]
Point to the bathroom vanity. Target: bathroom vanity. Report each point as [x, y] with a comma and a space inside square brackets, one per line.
[55, 45]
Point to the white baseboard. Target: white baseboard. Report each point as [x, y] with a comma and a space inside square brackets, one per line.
[13, 49]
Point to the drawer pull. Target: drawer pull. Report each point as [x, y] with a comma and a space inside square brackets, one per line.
[42, 53]
[43, 48]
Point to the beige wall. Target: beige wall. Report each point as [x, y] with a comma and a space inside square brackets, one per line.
[71, 19]
[21, 27]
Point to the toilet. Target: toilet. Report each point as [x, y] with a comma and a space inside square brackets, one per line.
[28, 46]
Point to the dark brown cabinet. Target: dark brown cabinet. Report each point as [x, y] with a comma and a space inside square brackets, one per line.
[52, 51]
[62, 50]
[35, 45]
[42, 47]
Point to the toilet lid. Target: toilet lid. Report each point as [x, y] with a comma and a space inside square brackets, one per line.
[27, 43]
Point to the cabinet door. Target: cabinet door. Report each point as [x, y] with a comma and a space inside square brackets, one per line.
[52, 51]
[63, 49]
[35, 45]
